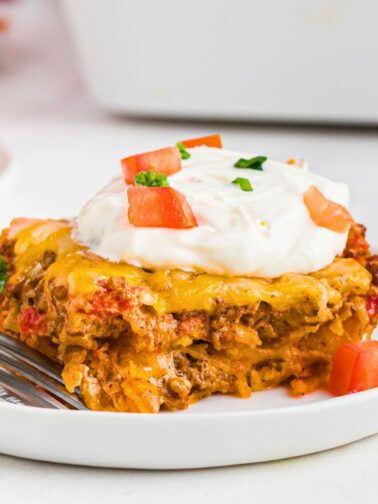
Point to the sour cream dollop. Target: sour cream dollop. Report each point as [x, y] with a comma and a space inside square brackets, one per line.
[266, 233]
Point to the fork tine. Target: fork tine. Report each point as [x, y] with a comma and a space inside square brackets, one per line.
[31, 357]
[6, 394]
[20, 389]
[26, 359]
[10, 361]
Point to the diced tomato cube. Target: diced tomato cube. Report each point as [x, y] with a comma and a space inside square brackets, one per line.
[166, 161]
[372, 306]
[159, 207]
[326, 213]
[354, 368]
[209, 141]
[32, 322]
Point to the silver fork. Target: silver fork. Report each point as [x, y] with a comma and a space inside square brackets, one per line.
[28, 377]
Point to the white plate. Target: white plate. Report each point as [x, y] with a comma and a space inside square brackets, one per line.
[215, 432]
[218, 431]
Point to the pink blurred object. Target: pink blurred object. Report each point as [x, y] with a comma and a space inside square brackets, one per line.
[3, 24]
[37, 72]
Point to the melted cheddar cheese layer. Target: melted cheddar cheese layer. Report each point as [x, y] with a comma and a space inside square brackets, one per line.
[170, 291]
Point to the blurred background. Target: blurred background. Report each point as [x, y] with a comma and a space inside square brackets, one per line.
[86, 82]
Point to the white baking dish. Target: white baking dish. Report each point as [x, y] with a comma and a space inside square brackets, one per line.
[297, 60]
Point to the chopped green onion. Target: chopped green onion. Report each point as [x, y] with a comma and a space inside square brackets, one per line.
[3, 274]
[184, 153]
[253, 163]
[151, 179]
[243, 183]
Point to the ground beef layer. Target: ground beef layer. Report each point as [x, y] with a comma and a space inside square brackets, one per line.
[141, 341]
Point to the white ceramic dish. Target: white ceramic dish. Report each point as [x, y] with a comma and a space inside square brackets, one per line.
[216, 432]
[162, 59]
[8, 172]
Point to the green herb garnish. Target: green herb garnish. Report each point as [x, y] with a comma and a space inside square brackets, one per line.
[253, 163]
[151, 179]
[243, 183]
[184, 153]
[3, 273]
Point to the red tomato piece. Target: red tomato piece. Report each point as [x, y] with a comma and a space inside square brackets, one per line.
[209, 141]
[372, 306]
[166, 161]
[159, 207]
[326, 213]
[32, 322]
[354, 368]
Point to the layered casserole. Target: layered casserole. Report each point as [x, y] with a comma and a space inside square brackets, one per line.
[190, 276]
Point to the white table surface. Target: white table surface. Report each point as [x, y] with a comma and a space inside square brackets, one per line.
[53, 132]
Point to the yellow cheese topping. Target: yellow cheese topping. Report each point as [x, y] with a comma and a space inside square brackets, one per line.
[173, 290]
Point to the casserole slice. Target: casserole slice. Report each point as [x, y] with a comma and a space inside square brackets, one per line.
[141, 341]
